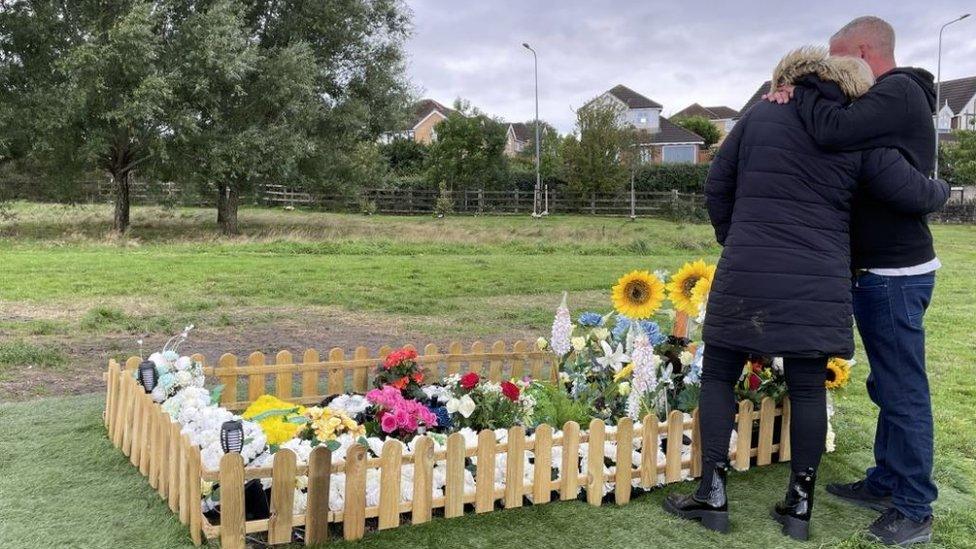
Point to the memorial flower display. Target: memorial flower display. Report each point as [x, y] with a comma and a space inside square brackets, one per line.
[611, 365]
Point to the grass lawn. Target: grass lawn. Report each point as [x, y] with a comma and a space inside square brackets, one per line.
[70, 296]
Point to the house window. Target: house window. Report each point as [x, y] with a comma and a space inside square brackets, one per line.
[645, 155]
[673, 154]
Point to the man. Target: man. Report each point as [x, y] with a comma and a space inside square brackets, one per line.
[895, 264]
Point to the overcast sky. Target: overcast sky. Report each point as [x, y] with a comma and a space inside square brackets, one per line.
[676, 52]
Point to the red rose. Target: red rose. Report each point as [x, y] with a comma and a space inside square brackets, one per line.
[510, 390]
[469, 380]
[754, 382]
[418, 377]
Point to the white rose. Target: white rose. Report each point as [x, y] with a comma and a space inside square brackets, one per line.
[686, 358]
[183, 378]
[184, 363]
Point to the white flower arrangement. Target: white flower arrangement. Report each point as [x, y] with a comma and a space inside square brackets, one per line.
[174, 372]
[352, 405]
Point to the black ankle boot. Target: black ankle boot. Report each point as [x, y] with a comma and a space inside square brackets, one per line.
[708, 504]
[794, 511]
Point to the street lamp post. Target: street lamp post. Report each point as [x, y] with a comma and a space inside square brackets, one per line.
[938, 90]
[535, 200]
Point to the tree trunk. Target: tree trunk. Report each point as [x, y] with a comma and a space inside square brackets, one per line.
[221, 204]
[121, 220]
[228, 221]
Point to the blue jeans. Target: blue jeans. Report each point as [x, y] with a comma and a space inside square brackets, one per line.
[889, 311]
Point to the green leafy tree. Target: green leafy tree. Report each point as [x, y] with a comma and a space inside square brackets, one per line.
[958, 160]
[701, 126]
[84, 88]
[593, 159]
[405, 156]
[288, 92]
[550, 151]
[469, 151]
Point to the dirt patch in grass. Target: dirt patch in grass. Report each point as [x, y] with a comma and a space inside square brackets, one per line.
[243, 331]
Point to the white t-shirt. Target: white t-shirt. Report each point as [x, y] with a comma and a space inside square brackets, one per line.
[923, 268]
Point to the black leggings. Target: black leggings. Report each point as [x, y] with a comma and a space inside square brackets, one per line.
[805, 378]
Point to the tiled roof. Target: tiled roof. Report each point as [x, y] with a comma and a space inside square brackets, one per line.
[711, 113]
[523, 131]
[670, 133]
[424, 107]
[755, 97]
[957, 93]
[722, 112]
[632, 99]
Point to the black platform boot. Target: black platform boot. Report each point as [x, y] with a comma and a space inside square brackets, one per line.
[794, 511]
[708, 504]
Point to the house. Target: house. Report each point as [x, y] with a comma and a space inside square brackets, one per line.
[662, 141]
[721, 117]
[518, 136]
[958, 105]
[427, 114]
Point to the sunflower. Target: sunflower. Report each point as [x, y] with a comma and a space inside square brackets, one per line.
[838, 373]
[638, 294]
[681, 288]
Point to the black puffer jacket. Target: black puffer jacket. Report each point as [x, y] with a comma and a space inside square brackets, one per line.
[781, 207]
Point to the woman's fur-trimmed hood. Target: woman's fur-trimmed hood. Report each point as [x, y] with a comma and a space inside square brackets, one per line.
[851, 74]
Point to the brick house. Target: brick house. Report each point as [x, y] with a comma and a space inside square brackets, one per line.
[427, 114]
[662, 141]
[721, 117]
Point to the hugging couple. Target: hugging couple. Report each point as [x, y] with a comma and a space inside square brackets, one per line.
[819, 197]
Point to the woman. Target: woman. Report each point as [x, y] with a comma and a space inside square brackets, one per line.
[780, 207]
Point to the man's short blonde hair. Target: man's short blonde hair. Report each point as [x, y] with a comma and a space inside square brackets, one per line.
[875, 31]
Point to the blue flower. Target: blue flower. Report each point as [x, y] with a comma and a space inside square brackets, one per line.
[590, 319]
[443, 418]
[651, 328]
[620, 329]
[693, 375]
[166, 381]
[653, 331]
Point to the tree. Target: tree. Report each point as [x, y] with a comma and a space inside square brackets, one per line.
[593, 160]
[405, 156]
[469, 151]
[701, 126]
[290, 92]
[959, 159]
[84, 88]
[550, 159]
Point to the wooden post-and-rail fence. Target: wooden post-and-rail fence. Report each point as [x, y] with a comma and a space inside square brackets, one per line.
[154, 444]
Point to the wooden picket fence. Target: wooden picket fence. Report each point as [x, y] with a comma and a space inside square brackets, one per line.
[154, 444]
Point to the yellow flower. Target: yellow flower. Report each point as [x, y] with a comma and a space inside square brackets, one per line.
[700, 292]
[277, 429]
[681, 288]
[624, 372]
[838, 373]
[638, 294]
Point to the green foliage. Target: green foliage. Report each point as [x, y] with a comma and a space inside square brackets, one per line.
[445, 203]
[959, 159]
[555, 407]
[550, 154]
[85, 87]
[405, 156]
[469, 151]
[686, 178]
[701, 126]
[593, 159]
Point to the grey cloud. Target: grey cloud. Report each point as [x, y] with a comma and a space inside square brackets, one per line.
[674, 52]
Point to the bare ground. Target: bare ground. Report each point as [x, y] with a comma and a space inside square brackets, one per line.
[268, 331]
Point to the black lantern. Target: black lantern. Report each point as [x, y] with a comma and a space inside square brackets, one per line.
[147, 375]
[232, 436]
